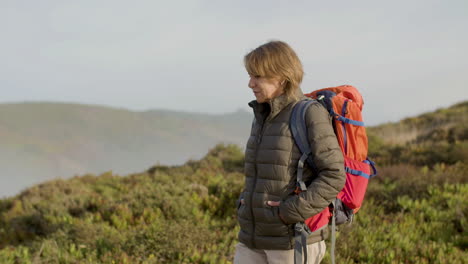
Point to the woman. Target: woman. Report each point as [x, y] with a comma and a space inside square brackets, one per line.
[268, 207]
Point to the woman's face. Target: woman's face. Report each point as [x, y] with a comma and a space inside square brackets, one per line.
[264, 88]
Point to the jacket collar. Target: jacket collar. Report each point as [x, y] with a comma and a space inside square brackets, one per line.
[271, 108]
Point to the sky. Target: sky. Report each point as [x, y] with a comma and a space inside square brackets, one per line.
[405, 57]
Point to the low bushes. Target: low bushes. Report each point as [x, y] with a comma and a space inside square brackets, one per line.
[186, 214]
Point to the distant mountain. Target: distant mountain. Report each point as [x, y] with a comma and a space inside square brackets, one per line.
[41, 141]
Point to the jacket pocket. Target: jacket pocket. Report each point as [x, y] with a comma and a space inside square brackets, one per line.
[271, 224]
[240, 211]
[238, 203]
[271, 214]
[240, 207]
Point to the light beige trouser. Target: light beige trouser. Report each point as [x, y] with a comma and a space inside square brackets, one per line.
[245, 255]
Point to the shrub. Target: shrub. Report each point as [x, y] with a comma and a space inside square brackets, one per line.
[186, 214]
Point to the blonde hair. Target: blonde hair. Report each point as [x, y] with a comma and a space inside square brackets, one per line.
[276, 59]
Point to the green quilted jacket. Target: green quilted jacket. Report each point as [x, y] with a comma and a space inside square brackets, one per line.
[271, 159]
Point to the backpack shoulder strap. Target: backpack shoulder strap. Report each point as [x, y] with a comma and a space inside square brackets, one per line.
[298, 128]
[298, 124]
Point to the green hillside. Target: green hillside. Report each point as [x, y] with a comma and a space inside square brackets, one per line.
[448, 124]
[42, 141]
[428, 139]
[415, 212]
[186, 214]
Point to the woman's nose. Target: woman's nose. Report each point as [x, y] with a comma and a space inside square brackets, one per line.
[251, 83]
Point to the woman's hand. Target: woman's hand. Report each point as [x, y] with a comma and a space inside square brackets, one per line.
[273, 203]
[276, 204]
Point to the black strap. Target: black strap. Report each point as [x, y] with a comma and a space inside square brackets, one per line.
[299, 132]
[302, 231]
[333, 234]
[298, 125]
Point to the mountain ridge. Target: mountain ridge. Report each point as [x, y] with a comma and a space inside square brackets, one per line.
[42, 140]
[48, 140]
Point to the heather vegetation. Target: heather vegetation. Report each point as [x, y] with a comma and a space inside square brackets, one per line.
[415, 210]
[426, 140]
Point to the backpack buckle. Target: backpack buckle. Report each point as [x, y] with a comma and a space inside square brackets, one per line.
[298, 190]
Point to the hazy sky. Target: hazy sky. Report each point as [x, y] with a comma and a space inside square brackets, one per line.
[406, 57]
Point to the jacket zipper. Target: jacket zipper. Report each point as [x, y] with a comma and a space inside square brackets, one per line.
[259, 140]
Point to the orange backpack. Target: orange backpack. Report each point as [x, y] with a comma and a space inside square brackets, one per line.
[344, 103]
